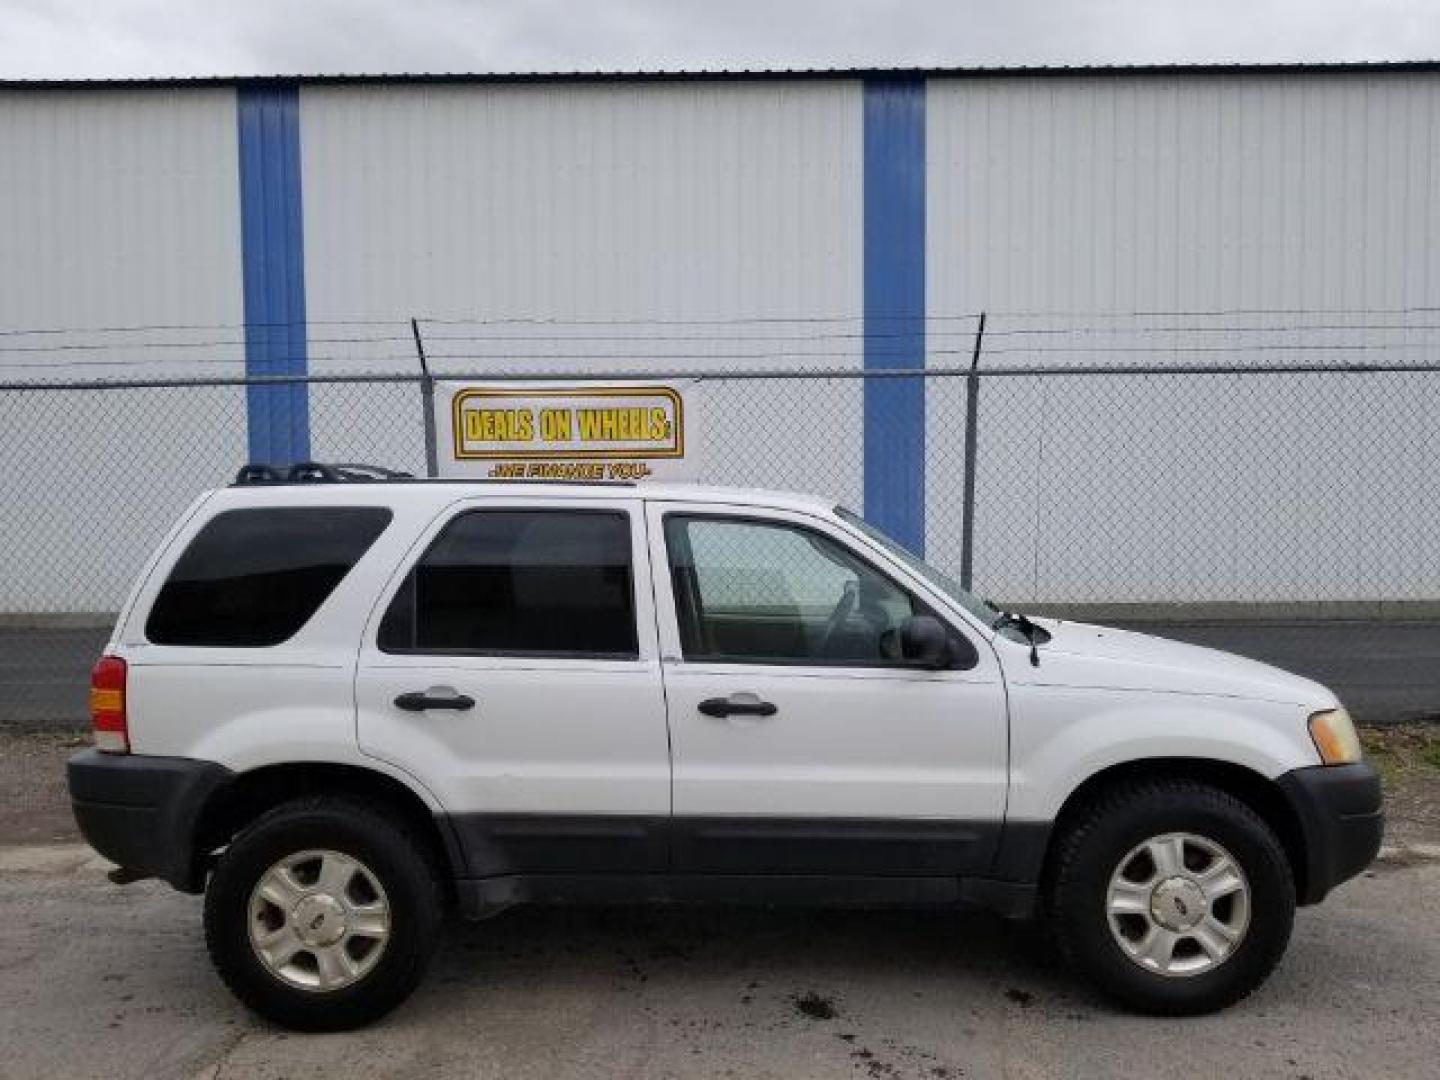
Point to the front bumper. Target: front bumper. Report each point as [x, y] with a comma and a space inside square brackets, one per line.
[142, 812]
[1338, 808]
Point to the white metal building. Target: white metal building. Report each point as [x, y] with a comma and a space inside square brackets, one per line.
[817, 219]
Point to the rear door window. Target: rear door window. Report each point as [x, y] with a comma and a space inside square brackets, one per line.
[253, 578]
[523, 583]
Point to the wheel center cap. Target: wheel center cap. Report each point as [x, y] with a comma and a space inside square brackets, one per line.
[319, 920]
[1178, 903]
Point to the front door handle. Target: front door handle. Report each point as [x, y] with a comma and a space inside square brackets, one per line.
[736, 705]
[434, 698]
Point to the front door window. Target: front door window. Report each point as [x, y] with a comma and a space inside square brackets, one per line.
[771, 592]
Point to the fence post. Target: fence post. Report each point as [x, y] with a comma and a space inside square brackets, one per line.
[972, 417]
[427, 401]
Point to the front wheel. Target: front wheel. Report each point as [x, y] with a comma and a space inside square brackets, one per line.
[1173, 897]
[322, 915]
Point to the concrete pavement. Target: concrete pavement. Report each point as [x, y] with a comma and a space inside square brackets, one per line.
[98, 981]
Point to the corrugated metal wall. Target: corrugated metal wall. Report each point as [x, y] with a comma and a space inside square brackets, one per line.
[625, 213]
[1195, 193]
[690, 200]
[1078, 202]
[118, 210]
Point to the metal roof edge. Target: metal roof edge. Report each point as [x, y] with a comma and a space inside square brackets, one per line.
[1373, 67]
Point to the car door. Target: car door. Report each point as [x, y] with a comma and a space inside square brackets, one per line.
[800, 742]
[511, 666]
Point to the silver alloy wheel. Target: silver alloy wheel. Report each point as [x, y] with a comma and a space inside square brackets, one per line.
[319, 920]
[1178, 904]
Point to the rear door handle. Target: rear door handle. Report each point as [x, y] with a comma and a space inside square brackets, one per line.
[434, 698]
[737, 705]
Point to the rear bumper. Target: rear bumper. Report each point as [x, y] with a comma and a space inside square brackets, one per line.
[1341, 821]
[141, 812]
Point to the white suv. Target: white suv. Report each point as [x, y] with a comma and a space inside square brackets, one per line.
[338, 704]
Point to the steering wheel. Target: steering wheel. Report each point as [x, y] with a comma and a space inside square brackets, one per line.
[849, 597]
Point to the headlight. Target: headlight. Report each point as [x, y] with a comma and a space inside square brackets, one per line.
[1334, 734]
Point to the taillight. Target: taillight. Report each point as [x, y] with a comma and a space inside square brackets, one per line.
[107, 705]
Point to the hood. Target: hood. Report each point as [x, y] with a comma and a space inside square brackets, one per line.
[1083, 655]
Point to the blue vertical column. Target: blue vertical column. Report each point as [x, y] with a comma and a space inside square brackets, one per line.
[272, 246]
[894, 163]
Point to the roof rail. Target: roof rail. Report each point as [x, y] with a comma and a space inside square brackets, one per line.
[258, 474]
[315, 472]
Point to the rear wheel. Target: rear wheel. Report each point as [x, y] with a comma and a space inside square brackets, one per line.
[1173, 897]
[322, 915]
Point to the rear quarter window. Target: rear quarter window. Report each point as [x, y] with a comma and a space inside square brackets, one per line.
[253, 578]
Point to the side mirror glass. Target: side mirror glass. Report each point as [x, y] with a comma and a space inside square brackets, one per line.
[925, 642]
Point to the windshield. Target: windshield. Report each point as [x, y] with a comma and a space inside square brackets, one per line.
[981, 609]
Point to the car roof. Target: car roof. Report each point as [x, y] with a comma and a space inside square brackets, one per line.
[446, 490]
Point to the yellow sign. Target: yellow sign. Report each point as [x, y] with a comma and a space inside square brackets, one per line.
[599, 432]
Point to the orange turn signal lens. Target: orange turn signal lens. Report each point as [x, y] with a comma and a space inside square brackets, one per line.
[1334, 735]
[106, 701]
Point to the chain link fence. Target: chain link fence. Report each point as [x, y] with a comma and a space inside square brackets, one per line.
[1286, 510]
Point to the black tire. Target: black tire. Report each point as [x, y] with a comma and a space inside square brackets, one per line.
[1089, 851]
[394, 855]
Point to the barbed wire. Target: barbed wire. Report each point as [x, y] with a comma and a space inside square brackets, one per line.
[135, 328]
[1373, 346]
[882, 340]
[919, 341]
[958, 373]
[923, 334]
[919, 335]
[93, 346]
[732, 320]
[407, 358]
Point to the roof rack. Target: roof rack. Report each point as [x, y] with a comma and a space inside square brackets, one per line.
[315, 472]
[257, 474]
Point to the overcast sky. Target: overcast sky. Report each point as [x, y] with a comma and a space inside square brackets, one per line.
[93, 38]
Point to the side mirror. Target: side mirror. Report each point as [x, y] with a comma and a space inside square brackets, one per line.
[925, 642]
